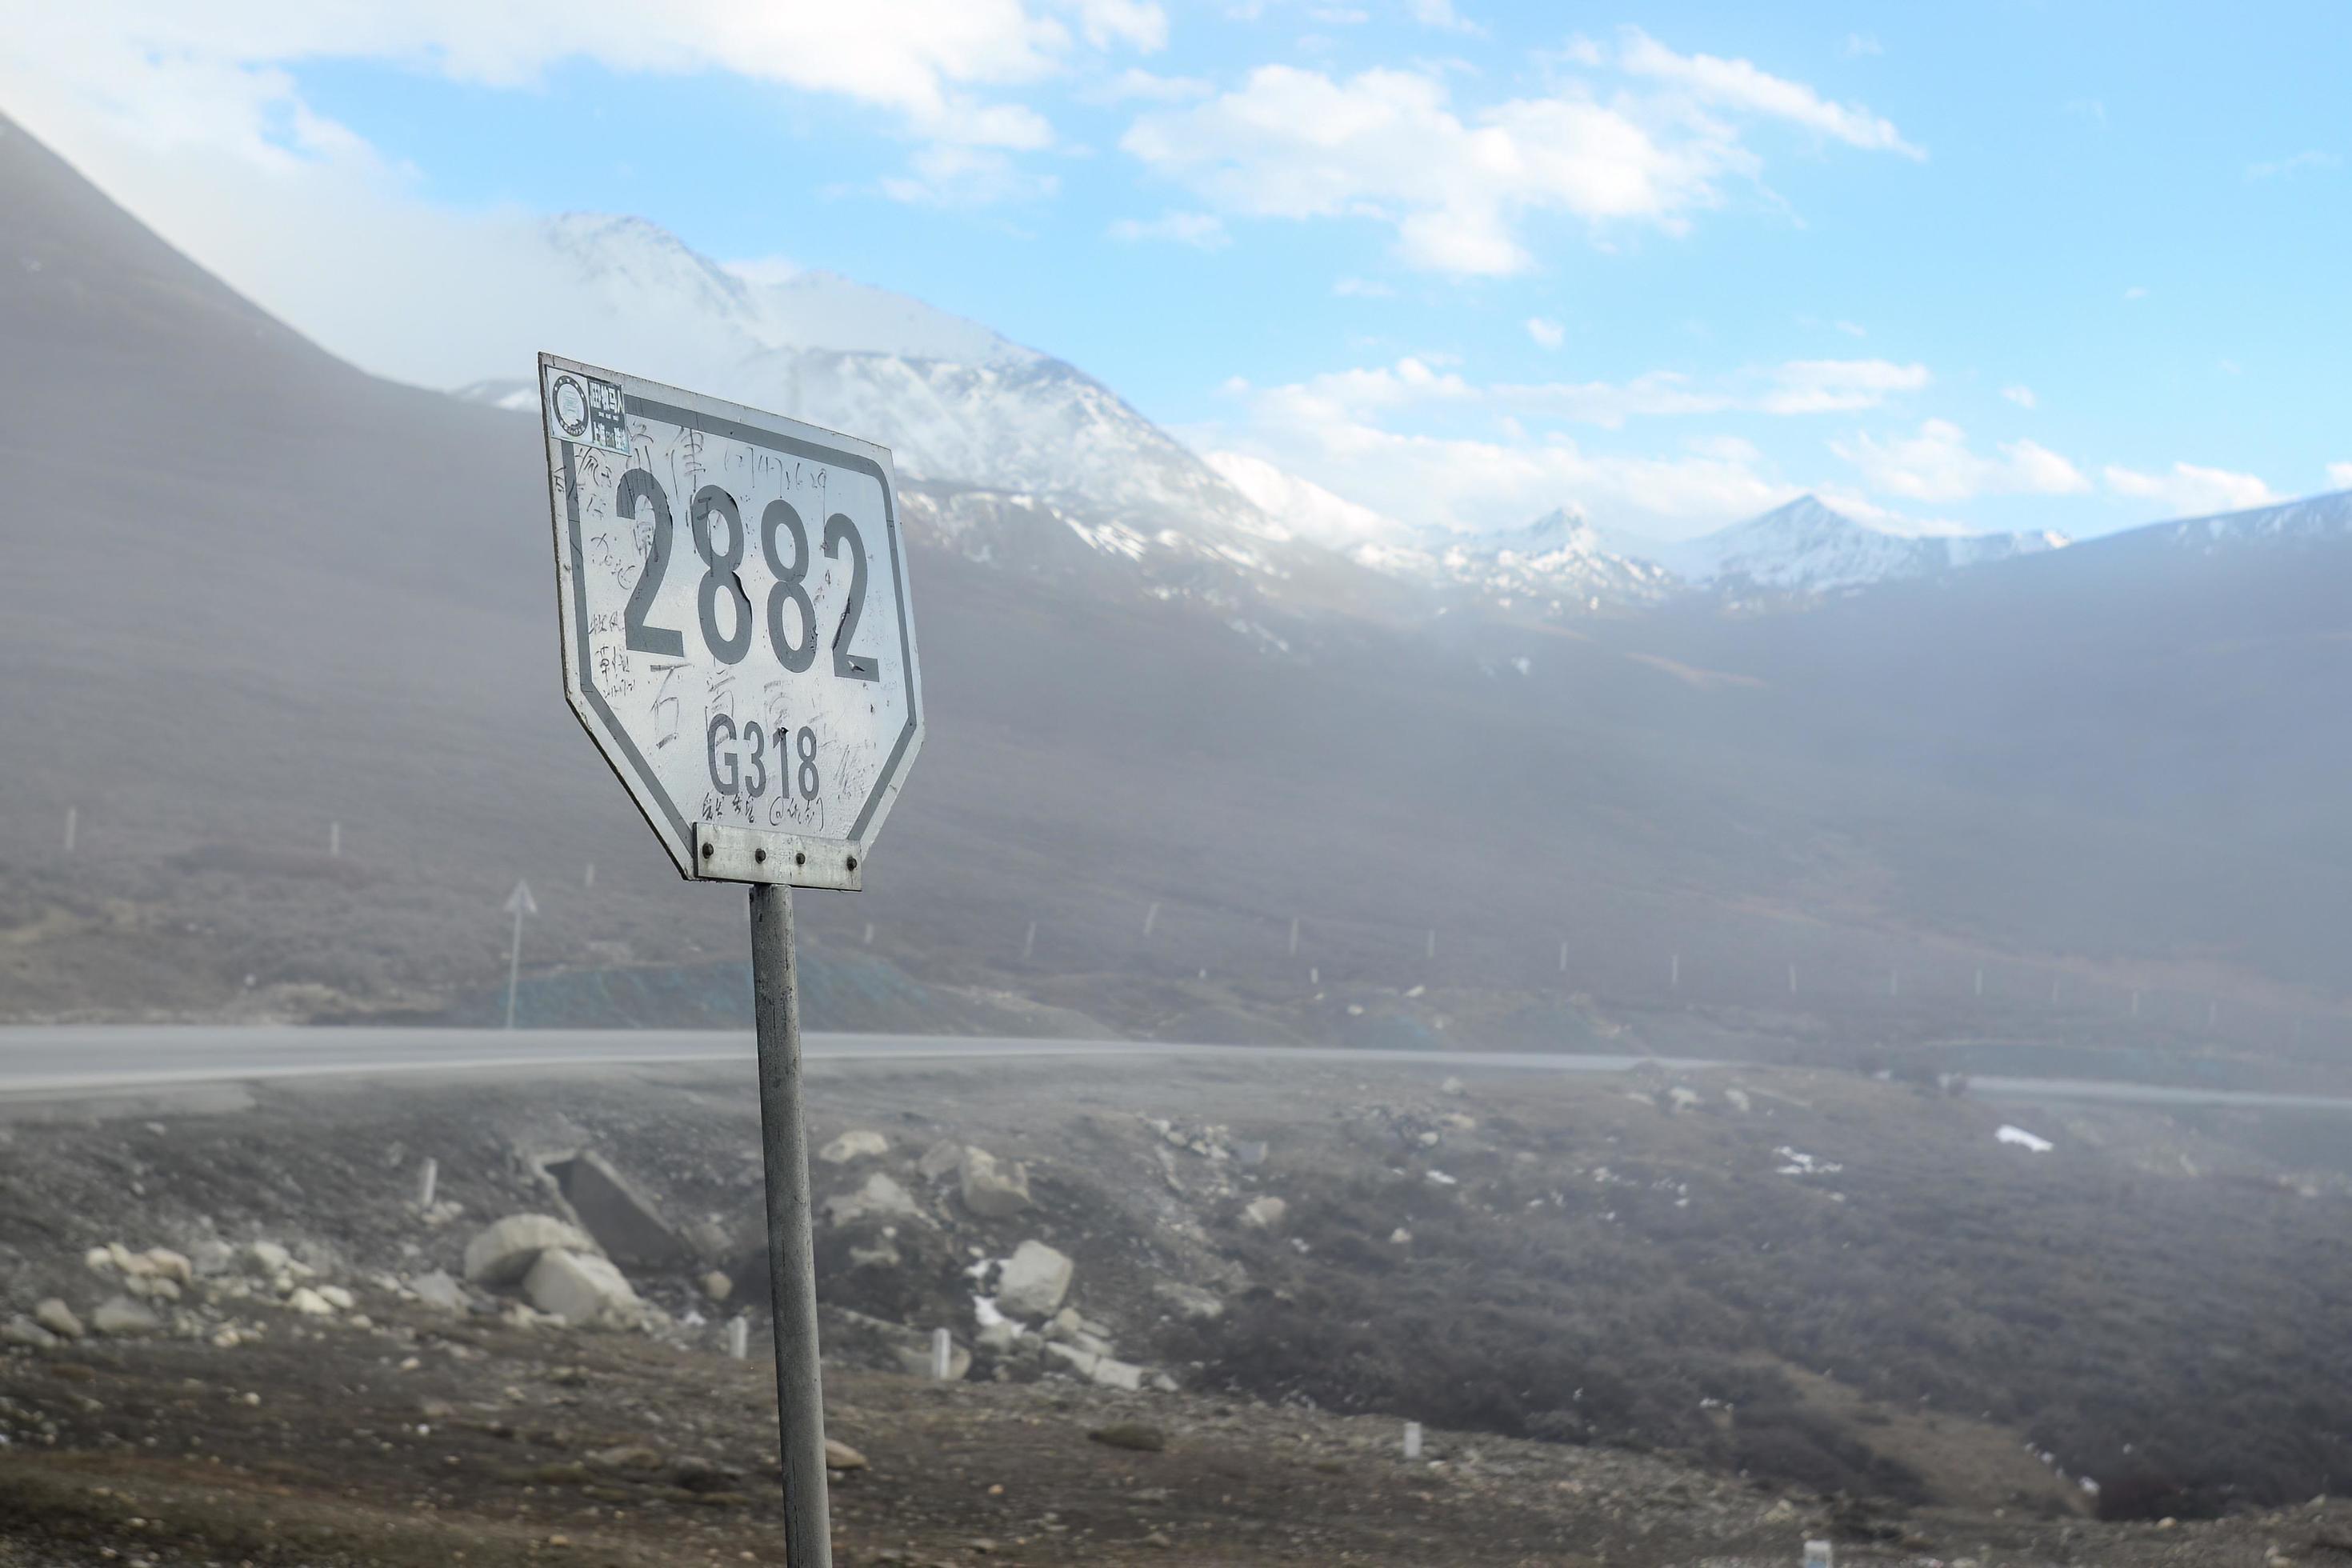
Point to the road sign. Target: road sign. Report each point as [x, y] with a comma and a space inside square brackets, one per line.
[737, 637]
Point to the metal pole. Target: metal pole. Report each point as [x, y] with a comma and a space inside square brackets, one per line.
[791, 1256]
[514, 966]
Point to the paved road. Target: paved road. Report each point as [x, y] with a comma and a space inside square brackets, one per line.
[36, 1062]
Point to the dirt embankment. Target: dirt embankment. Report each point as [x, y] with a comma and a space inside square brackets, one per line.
[1644, 1318]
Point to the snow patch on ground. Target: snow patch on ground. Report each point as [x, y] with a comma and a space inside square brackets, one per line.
[2024, 1139]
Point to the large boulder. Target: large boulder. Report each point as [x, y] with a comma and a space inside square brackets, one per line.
[1033, 1280]
[505, 1251]
[992, 1190]
[59, 1318]
[880, 1198]
[582, 1289]
[120, 1317]
[1264, 1213]
[858, 1144]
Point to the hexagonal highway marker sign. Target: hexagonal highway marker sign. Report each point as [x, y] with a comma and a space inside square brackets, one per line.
[737, 636]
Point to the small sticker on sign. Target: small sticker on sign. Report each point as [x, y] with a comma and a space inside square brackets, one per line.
[586, 409]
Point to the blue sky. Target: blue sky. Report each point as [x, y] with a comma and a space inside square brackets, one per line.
[1991, 264]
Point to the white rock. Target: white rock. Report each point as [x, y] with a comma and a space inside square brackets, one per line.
[505, 1251]
[120, 1317]
[1401, 1236]
[992, 1192]
[879, 1198]
[855, 1144]
[59, 1318]
[310, 1303]
[1738, 1100]
[438, 1289]
[1071, 1358]
[1264, 1213]
[335, 1296]
[1033, 1281]
[717, 1285]
[266, 1259]
[1451, 1086]
[170, 1265]
[1681, 1099]
[999, 1337]
[940, 1159]
[581, 1289]
[1111, 1373]
[21, 1329]
[135, 1264]
[98, 1260]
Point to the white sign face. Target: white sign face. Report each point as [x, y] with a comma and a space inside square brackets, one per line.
[736, 631]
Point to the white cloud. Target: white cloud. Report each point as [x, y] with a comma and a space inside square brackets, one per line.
[1548, 334]
[1936, 464]
[2309, 160]
[1739, 84]
[1459, 483]
[1795, 387]
[2020, 394]
[1457, 185]
[1203, 231]
[2340, 476]
[1860, 44]
[1361, 288]
[1136, 84]
[1852, 329]
[1440, 13]
[2135, 293]
[163, 76]
[2186, 489]
[947, 174]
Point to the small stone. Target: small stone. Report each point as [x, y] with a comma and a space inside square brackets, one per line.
[170, 1265]
[858, 1144]
[717, 1285]
[1452, 1086]
[338, 1298]
[1399, 1236]
[438, 1289]
[840, 1456]
[880, 1198]
[59, 1318]
[1139, 1436]
[266, 1259]
[1264, 1213]
[98, 1260]
[120, 1317]
[310, 1303]
[21, 1329]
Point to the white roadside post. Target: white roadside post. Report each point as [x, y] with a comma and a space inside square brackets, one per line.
[1412, 1439]
[738, 642]
[519, 903]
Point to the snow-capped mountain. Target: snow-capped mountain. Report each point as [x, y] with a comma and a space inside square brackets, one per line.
[2311, 519]
[1019, 455]
[1555, 563]
[1806, 547]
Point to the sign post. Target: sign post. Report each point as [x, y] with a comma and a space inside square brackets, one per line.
[738, 642]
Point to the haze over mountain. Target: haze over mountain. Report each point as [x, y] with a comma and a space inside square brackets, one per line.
[254, 591]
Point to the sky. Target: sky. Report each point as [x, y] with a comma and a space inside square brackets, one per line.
[2000, 264]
